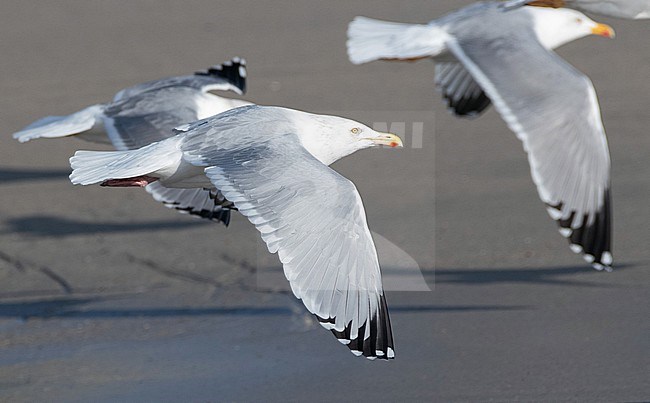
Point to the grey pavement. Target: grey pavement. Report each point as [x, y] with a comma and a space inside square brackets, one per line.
[107, 296]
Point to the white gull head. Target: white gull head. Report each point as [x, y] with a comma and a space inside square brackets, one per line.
[330, 138]
[555, 27]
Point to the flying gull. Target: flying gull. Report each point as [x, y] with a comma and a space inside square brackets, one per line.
[550, 105]
[630, 9]
[148, 112]
[272, 163]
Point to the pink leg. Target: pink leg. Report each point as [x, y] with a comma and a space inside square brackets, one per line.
[138, 181]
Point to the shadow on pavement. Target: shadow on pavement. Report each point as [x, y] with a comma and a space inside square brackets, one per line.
[535, 275]
[47, 226]
[73, 308]
[458, 308]
[10, 175]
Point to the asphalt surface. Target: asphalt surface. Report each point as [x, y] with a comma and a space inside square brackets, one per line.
[107, 296]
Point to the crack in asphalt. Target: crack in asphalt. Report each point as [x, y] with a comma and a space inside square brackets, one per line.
[172, 273]
[62, 282]
[242, 264]
[23, 265]
[17, 264]
[183, 275]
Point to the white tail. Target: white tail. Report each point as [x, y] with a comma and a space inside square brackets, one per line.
[90, 167]
[370, 40]
[61, 126]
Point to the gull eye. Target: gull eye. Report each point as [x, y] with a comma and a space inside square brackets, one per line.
[579, 20]
[356, 130]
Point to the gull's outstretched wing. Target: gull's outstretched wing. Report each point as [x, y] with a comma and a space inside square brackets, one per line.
[227, 76]
[60, 126]
[630, 9]
[148, 112]
[149, 117]
[553, 109]
[314, 219]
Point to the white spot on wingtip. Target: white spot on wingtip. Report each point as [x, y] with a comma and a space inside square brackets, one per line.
[391, 353]
[344, 341]
[356, 352]
[566, 232]
[575, 248]
[589, 258]
[236, 59]
[327, 325]
[371, 358]
[554, 213]
[182, 128]
[242, 71]
[598, 266]
[380, 353]
[607, 258]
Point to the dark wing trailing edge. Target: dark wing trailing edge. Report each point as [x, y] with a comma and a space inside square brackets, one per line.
[198, 202]
[464, 96]
[233, 71]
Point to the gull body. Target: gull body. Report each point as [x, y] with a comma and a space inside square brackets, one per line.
[487, 53]
[148, 112]
[272, 163]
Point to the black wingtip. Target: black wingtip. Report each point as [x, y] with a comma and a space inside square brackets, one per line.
[221, 215]
[233, 71]
[468, 107]
[380, 343]
[592, 239]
